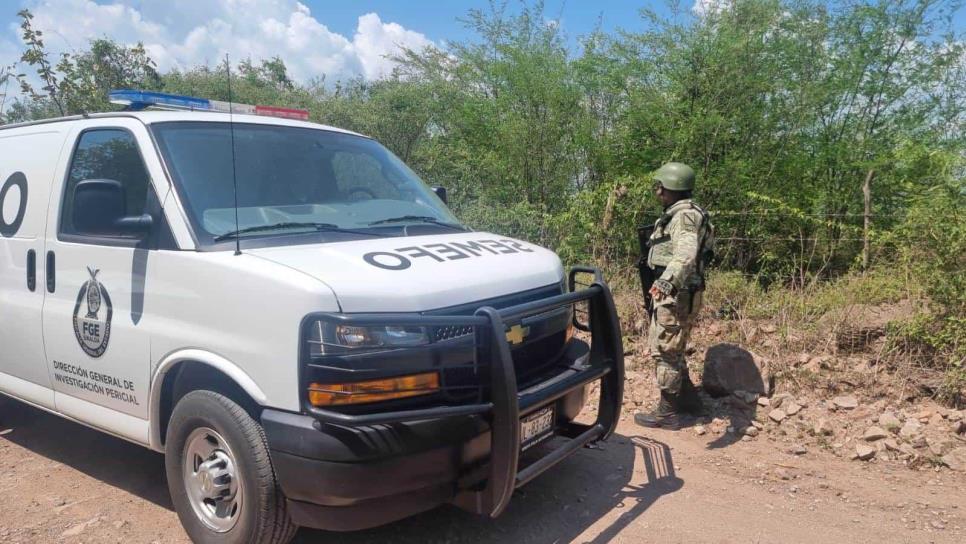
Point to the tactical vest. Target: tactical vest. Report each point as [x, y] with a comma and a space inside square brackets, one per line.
[662, 250]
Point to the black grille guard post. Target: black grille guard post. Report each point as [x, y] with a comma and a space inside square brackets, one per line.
[605, 362]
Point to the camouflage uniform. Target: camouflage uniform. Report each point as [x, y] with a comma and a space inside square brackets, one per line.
[680, 238]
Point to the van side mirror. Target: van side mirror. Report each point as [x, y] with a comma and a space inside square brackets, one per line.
[441, 193]
[98, 210]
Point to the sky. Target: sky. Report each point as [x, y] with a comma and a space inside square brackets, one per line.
[335, 38]
[339, 38]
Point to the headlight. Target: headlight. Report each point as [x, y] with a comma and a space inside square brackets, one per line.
[328, 338]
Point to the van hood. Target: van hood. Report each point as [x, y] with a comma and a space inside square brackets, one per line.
[421, 273]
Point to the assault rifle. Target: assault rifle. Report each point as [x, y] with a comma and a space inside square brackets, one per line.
[646, 273]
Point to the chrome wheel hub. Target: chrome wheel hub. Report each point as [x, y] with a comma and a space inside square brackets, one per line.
[211, 481]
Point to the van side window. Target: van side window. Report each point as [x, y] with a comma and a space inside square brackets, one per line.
[110, 154]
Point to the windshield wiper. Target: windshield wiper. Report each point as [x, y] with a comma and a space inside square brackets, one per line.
[418, 219]
[318, 227]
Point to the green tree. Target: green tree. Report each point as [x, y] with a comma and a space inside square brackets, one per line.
[78, 82]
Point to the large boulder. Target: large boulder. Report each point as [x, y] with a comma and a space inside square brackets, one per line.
[729, 368]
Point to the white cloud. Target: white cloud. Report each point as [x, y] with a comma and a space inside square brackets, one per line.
[375, 41]
[704, 7]
[186, 33]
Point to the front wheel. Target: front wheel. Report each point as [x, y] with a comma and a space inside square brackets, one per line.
[220, 474]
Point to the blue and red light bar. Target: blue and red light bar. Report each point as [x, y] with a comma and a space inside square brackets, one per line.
[139, 100]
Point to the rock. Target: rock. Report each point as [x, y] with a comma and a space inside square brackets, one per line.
[874, 433]
[758, 425]
[955, 415]
[956, 459]
[763, 402]
[937, 446]
[751, 430]
[75, 530]
[822, 428]
[937, 420]
[783, 474]
[699, 430]
[791, 408]
[777, 415]
[864, 452]
[910, 430]
[958, 427]
[778, 400]
[797, 450]
[768, 328]
[81, 527]
[891, 444]
[847, 402]
[729, 368]
[889, 421]
[751, 398]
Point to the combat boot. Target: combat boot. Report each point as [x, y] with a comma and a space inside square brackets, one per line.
[667, 415]
[690, 399]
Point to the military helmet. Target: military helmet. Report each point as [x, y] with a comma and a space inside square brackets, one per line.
[675, 176]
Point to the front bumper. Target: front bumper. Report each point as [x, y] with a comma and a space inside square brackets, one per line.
[346, 472]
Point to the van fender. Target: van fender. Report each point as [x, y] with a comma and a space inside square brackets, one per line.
[230, 369]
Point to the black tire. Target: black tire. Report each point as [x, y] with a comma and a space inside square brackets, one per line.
[262, 517]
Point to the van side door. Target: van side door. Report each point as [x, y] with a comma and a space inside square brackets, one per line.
[28, 162]
[96, 325]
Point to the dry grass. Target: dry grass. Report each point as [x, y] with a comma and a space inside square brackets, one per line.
[846, 335]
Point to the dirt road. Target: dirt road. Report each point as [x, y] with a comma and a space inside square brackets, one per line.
[61, 482]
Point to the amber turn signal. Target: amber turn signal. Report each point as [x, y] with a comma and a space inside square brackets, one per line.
[373, 390]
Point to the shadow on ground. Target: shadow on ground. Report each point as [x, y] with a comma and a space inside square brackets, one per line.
[592, 488]
[111, 460]
[558, 506]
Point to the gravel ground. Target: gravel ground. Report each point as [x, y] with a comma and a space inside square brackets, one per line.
[61, 482]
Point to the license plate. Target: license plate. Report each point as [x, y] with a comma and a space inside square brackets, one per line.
[536, 427]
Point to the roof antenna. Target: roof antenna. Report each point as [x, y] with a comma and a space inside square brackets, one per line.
[234, 174]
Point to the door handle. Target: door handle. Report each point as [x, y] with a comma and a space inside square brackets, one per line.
[32, 270]
[51, 272]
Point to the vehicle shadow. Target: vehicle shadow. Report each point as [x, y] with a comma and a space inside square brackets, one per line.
[111, 460]
[608, 488]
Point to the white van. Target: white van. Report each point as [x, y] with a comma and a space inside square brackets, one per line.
[288, 313]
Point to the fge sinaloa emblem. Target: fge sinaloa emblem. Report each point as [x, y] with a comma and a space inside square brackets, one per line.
[93, 327]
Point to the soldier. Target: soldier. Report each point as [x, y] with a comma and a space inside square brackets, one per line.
[679, 249]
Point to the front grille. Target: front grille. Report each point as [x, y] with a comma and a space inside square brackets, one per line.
[463, 381]
[533, 360]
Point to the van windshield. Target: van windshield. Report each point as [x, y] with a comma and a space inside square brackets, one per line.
[293, 180]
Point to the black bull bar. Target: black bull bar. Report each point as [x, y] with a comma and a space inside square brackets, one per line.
[605, 361]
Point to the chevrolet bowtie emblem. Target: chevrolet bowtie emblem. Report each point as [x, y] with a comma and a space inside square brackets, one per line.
[517, 333]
